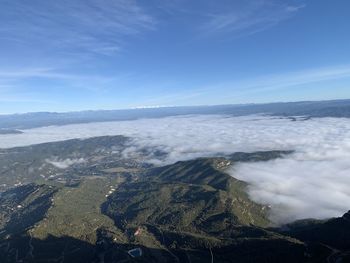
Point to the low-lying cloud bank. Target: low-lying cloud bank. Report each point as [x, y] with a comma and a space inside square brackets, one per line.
[299, 188]
[312, 182]
[64, 164]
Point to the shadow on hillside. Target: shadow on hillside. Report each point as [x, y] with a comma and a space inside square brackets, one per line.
[70, 250]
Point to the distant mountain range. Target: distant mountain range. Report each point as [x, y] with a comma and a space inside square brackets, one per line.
[333, 108]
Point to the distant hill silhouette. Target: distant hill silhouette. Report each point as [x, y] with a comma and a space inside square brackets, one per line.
[333, 108]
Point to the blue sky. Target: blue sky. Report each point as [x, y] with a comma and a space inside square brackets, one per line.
[109, 54]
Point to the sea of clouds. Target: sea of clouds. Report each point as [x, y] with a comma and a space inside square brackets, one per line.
[312, 182]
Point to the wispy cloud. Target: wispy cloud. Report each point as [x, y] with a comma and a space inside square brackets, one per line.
[233, 90]
[48, 73]
[238, 90]
[302, 77]
[64, 164]
[74, 25]
[290, 82]
[26, 73]
[248, 18]
[10, 80]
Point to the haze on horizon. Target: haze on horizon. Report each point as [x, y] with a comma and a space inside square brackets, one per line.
[73, 55]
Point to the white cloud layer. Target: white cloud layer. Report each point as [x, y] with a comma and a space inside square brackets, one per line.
[312, 182]
[64, 164]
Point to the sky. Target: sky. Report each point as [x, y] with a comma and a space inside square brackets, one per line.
[71, 55]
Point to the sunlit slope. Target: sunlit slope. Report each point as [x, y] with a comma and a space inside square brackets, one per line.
[75, 212]
[191, 207]
[191, 196]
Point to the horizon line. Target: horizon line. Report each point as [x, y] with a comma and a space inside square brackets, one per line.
[153, 107]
